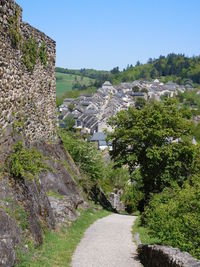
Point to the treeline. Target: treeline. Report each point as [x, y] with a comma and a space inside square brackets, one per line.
[176, 67]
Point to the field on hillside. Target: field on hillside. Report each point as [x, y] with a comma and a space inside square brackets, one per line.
[65, 82]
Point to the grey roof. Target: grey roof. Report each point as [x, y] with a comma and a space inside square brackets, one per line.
[102, 143]
[107, 83]
[137, 94]
[98, 137]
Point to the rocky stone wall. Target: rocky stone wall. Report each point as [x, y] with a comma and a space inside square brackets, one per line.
[157, 256]
[27, 76]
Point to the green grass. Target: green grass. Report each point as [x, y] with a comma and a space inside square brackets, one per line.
[145, 235]
[59, 246]
[64, 82]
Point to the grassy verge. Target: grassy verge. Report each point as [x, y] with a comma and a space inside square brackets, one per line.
[145, 235]
[58, 247]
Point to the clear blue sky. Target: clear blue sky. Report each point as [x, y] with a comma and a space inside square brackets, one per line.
[102, 34]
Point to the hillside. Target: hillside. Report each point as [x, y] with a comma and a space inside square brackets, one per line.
[67, 82]
[175, 67]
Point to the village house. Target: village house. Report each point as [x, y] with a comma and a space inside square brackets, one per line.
[91, 113]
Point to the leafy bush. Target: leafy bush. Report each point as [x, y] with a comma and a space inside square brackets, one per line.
[133, 194]
[173, 216]
[114, 178]
[25, 163]
[85, 154]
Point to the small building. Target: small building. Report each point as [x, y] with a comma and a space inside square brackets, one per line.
[139, 95]
[100, 140]
[107, 85]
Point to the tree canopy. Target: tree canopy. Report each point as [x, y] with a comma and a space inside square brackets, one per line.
[157, 140]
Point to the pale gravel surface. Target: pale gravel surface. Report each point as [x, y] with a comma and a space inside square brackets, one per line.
[107, 243]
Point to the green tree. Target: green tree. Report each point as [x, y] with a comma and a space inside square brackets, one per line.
[71, 107]
[140, 103]
[136, 89]
[156, 139]
[69, 122]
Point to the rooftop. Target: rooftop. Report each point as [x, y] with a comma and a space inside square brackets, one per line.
[98, 137]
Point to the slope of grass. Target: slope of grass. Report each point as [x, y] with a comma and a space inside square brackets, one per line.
[65, 82]
[59, 246]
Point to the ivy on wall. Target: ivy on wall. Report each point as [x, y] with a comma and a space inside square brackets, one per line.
[43, 54]
[14, 28]
[31, 51]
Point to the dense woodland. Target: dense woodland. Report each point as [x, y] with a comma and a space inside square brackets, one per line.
[172, 67]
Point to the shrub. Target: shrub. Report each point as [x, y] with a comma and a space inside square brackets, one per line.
[173, 216]
[85, 154]
[25, 162]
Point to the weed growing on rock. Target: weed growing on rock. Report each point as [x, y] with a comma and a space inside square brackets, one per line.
[30, 53]
[15, 28]
[25, 162]
[43, 54]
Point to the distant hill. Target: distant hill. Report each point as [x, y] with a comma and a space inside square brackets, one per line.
[175, 67]
[68, 82]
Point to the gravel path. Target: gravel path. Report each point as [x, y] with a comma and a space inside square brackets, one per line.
[107, 243]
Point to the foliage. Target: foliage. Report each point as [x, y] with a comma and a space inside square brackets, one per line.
[157, 140]
[69, 121]
[59, 101]
[91, 163]
[30, 53]
[85, 155]
[140, 103]
[145, 235]
[114, 178]
[173, 216]
[115, 70]
[177, 68]
[15, 28]
[59, 246]
[71, 107]
[25, 163]
[133, 194]
[43, 53]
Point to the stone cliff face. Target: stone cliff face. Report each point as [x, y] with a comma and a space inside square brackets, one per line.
[29, 206]
[28, 114]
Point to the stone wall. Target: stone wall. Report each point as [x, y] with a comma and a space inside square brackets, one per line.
[157, 256]
[27, 96]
